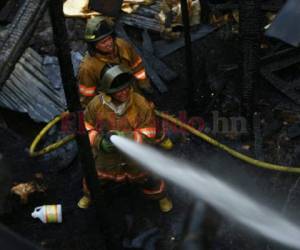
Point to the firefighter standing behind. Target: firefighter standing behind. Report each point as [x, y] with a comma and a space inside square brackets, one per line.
[104, 48]
[119, 110]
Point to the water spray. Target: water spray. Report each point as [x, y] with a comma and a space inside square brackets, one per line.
[215, 192]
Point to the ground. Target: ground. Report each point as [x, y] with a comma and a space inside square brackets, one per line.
[80, 228]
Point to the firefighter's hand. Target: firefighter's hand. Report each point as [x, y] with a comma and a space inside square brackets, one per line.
[106, 144]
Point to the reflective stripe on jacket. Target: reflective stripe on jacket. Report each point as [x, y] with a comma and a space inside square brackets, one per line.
[92, 66]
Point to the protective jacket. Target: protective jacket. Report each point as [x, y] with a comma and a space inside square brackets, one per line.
[137, 120]
[92, 66]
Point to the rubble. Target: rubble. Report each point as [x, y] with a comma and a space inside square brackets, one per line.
[276, 69]
[75, 8]
[24, 190]
[170, 17]
[152, 52]
[143, 17]
[163, 48]
[28, 90]
[18, 35]
[140, 21]
[137, 13]
[150, 62]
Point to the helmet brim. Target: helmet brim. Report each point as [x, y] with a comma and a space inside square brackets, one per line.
[99, 38]
[117, 89]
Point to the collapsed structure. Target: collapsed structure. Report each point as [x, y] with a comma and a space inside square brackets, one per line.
[27, 86]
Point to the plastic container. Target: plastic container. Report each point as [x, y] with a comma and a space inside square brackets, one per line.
[48, 213]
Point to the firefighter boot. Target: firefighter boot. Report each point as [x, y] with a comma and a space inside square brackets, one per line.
[84, 202]
[165, 204]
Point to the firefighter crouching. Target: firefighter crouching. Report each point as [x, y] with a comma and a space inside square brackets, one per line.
[118, 109]
[104, 48]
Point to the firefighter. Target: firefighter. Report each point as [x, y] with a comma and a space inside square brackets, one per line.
[119, 109]
[104, 48]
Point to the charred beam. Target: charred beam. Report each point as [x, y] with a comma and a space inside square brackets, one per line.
[154, 67]
[188, 53]
[19, 35]
[282, 60]
[69, 83]
[250, 32]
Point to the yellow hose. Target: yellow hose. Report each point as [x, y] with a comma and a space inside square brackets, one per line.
[227, 149]
[50, 147]
[177, 122]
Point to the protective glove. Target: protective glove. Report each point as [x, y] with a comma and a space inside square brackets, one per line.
[105, 144]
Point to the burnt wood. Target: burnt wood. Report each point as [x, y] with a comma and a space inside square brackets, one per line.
[19, 34]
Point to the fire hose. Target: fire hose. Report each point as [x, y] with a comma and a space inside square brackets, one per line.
[201, 135]
[51, 147]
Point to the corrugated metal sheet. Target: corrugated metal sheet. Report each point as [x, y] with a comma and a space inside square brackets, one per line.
[29, 90]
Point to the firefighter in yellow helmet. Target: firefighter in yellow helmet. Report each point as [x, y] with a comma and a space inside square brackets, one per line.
[104, 48]
[120, 110]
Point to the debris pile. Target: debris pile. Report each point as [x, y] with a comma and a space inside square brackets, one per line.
[144, 17]
[28, 90]
[170, 17]
[24, 190]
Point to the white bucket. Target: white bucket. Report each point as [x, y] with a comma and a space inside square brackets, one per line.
[48, 213]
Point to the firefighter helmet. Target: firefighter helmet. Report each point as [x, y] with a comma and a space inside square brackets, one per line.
[97, 28]
[115, 78]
